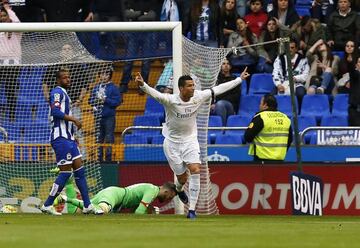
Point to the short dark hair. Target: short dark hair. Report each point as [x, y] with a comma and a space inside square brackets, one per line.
[253, 1]
[304, 20]
[61, 71]
[170, 186]
[270, 101]
[182, 80]
[293, 40]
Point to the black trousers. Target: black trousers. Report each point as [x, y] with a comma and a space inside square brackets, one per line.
[354, 116]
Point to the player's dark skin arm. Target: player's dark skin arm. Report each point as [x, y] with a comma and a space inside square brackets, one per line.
[254, 128]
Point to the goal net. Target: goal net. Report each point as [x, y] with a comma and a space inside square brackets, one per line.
[26, 157]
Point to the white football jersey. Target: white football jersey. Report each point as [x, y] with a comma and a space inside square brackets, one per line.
[180, 122]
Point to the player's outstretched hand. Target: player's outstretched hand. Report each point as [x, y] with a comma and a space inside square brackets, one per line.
[78, 123]
[139, 79]
[244, 74]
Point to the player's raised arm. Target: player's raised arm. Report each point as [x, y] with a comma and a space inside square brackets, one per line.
[162, 98]
[222, 88]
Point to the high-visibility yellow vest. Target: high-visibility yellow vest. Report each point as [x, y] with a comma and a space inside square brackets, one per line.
[271, 142]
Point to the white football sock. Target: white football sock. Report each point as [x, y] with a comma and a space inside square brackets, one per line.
[194, 190]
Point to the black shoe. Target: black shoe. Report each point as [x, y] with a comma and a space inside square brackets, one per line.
[183, 197]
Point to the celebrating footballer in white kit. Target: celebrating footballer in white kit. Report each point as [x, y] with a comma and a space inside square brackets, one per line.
[181, 146]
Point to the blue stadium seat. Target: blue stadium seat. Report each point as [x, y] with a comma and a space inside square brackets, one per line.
[153, 107]
[135, 139]
[238, 121]
[334, 120]
[261, 83]
[229, 139]
[303, 10]
[284, 104]
[249, 105]
[341, 54]
[214, 121]
[304, 3]
[31, 80]
[340, 105]
[305, 122]
[37, 133]
[157, 139]
[143, 120]
[315, 105]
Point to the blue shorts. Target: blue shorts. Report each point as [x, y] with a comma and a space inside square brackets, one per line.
[66, 151]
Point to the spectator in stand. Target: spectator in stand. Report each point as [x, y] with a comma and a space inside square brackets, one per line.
[307, 31]
[256, 18]
[240, 7]
[139, 41]
[64, 11]
[346, 65]
[165, 81]
[203, 23]
[300, 67]
[228, 17]
[354, 98]
[268, 52]
[106, 11]
[285, 12]
[227, 103]
[10, 55]
[247, 56]
[322, 9]
[170, 11]
[104, 99]
[343, 25]
[25, 12]
[324, 68]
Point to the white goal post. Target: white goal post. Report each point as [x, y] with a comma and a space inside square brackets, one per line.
[175, 27]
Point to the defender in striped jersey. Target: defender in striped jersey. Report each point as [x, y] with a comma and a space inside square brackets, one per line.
[68, 156]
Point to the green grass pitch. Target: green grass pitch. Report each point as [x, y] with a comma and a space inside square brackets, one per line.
[119, 230]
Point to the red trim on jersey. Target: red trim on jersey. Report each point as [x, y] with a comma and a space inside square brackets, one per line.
[144, 203]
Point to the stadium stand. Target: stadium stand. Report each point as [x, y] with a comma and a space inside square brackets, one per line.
[229, 139]
[237, 121]
[284, 104]
[315, 105]
[214, 121]
[304, 122]
[261, 83]
[135, 139]
[340, 105]
[157, 139]
[153, 107]
[249, 105]
[334, 121]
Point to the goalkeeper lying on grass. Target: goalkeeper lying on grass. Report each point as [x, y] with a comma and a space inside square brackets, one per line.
[137, 197]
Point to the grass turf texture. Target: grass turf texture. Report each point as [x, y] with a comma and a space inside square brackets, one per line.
[117, 230]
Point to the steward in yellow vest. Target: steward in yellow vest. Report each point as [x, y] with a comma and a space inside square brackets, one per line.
[269, 132]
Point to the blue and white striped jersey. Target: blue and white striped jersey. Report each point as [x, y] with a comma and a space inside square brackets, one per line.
[60, 104]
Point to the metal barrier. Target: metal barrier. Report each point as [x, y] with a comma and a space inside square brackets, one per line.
[306, 130]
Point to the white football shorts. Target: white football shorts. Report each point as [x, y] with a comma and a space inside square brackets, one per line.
[179, 155]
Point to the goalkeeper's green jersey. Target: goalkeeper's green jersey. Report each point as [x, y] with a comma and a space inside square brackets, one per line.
[137, 196]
